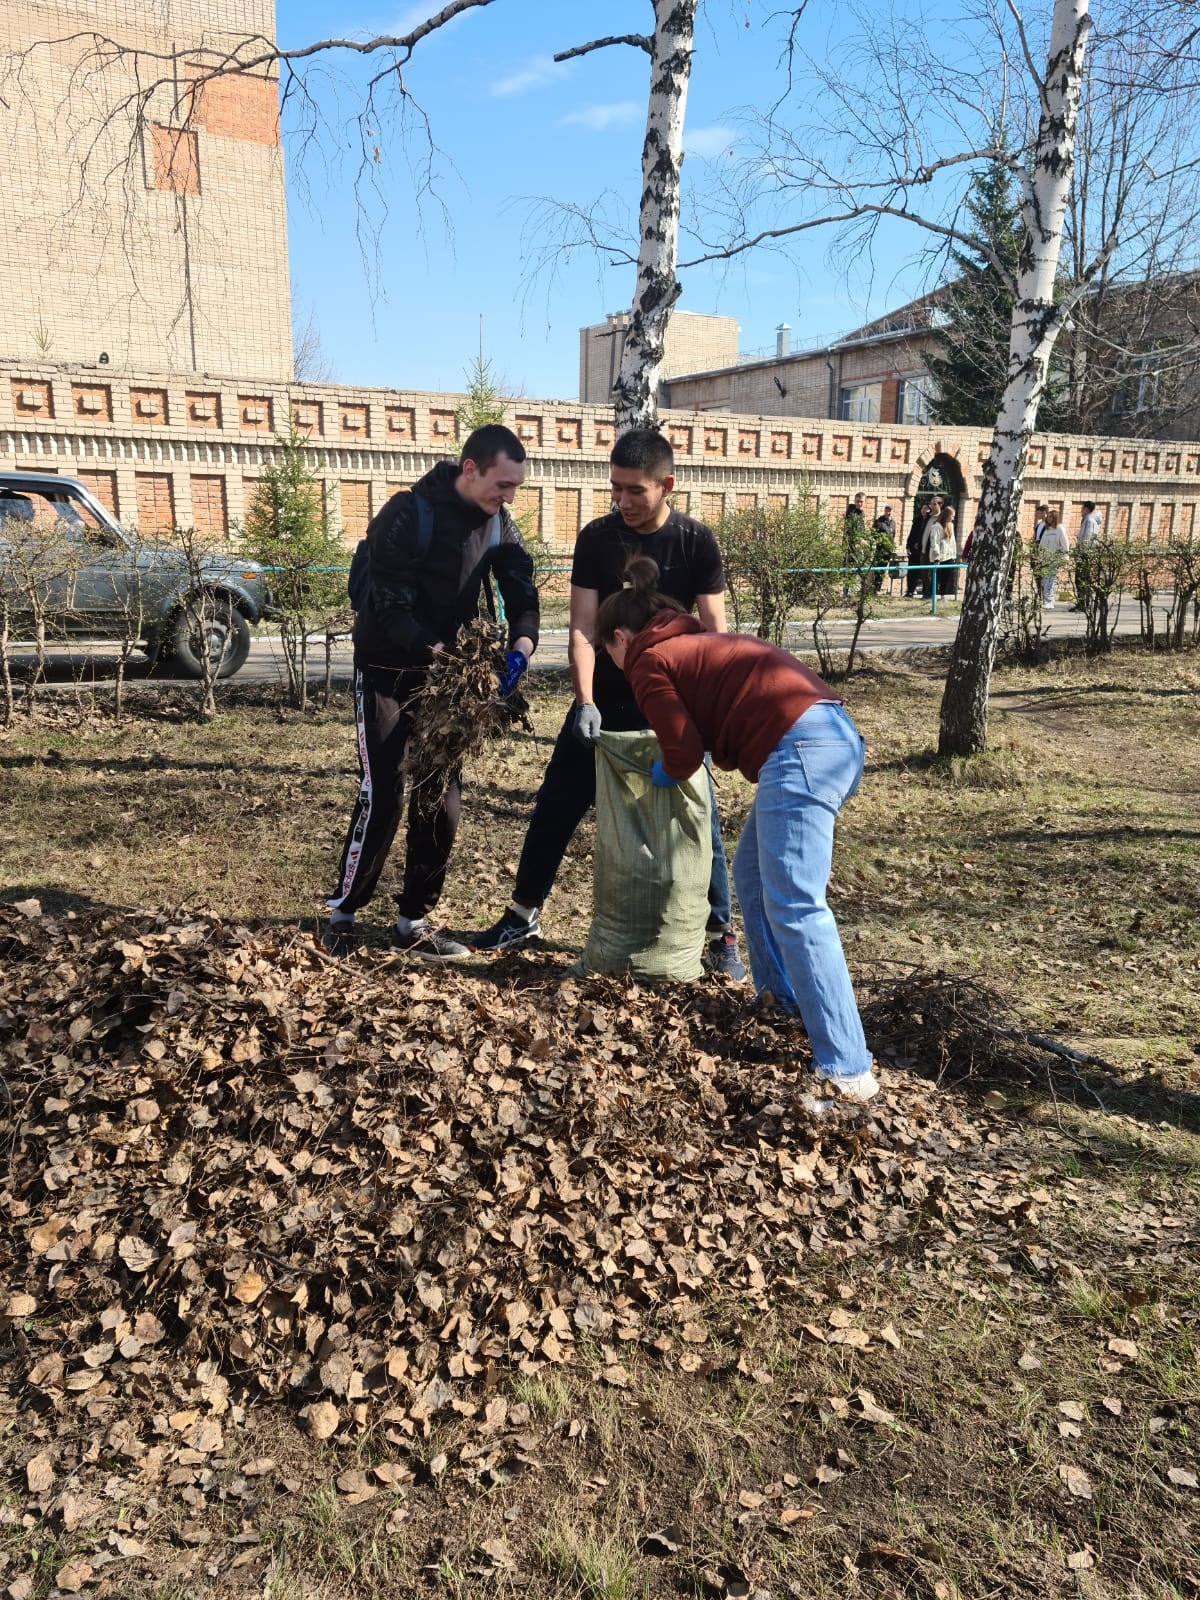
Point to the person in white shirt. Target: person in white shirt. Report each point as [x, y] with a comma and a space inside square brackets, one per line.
[1050, 546]
[1089, 528]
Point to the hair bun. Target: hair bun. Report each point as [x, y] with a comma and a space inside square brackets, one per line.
[641, 573]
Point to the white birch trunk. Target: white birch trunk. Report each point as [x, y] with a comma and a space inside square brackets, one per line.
[1035, 326]
[635, 393]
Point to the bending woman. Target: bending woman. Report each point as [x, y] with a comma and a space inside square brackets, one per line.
[757, 709]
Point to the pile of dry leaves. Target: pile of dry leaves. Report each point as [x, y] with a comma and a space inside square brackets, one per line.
[242, 1173]
[457, 713]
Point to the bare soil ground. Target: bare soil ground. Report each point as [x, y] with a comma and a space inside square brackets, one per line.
[352, 1279]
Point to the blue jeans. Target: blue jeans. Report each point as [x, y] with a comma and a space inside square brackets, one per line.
[781, 871]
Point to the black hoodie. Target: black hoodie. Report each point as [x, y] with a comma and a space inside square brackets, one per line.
[416, 603]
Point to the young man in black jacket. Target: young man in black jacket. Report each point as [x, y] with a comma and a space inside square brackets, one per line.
[419, 596]
[689, 562]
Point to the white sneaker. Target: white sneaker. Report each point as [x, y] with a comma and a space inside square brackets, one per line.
[861, 1087]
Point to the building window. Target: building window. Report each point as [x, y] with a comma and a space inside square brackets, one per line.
[914, 401]
[859, 402]
[1137, 392]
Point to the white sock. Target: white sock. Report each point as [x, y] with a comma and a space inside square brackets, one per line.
[408, 925]
[526, 913]
[341, 919]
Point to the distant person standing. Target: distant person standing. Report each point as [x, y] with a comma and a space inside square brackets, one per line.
[1052, 545]
[1087, 537]
[1089, 528]
[885, 545]
[915, 546]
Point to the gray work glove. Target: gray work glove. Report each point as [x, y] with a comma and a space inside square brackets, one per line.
[587, 724]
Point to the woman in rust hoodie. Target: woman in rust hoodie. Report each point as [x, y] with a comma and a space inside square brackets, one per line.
[759, 710]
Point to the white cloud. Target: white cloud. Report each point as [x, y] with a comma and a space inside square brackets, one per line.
[542, 69]
[598, 118]
[714, 141]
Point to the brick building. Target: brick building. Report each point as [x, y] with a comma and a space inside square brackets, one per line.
[694, 342]
[144, 218]
[188, 449]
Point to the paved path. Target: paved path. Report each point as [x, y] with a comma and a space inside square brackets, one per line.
[914, 631]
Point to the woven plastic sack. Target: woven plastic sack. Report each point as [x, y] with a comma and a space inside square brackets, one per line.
[651, 864]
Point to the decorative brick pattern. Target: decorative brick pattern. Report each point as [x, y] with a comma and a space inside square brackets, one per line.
[443, 427]
[210, 515]
[400, 423]
[781, 446]
[747, 442]
[32, 399]
[148, 408]
[529, 430]
[810, 446]
[712, 507]
[568, 433]
[602, 503]
[92, 402]
[354, 421]
[203, 408]
[155, 502]
[308, 418]
[681, 440]
[745, 502]
[256, 413]
[715, 440]
[777, 502]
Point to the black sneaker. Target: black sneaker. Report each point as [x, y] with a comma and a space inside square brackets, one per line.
[510, 933]
[430, 944]
[339, 939]
[722, 956]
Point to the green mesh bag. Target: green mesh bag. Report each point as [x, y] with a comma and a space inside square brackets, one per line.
[651, 865]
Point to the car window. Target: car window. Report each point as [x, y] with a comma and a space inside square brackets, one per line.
[51, 509]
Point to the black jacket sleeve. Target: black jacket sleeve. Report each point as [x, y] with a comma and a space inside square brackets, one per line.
[392, 546]
[512, 567]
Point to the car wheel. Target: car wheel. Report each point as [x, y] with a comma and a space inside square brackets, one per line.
[216, 628]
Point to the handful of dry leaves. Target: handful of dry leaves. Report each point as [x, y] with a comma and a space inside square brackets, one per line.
[457, 714]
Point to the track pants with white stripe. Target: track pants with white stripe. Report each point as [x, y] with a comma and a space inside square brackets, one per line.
[383, 724]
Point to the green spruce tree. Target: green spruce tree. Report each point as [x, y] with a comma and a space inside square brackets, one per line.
[286, 529]
[486, 399]
[973, 330]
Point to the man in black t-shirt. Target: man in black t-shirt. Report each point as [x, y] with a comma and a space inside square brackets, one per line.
[689, 563]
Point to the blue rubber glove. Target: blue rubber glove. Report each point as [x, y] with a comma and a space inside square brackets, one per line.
[515, 662]
[660, 778]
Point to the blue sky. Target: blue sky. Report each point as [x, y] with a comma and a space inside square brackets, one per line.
[398, 295]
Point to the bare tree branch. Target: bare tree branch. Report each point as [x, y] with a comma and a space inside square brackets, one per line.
[640, 41]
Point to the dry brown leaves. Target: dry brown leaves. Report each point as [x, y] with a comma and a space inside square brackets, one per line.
[456, 713]
[242, 1173]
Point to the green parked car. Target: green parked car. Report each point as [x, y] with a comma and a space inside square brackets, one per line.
[66, 563]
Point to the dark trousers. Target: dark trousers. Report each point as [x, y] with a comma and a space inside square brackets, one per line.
[568, 790]
[382, 724]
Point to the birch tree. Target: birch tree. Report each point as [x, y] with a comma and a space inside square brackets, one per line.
[657, 288]
[1036, 322]
[872, 147]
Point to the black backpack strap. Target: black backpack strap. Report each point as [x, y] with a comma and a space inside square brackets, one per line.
[358, 582]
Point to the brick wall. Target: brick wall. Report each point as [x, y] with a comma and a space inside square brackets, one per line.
[196, 453]
[172, 255]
